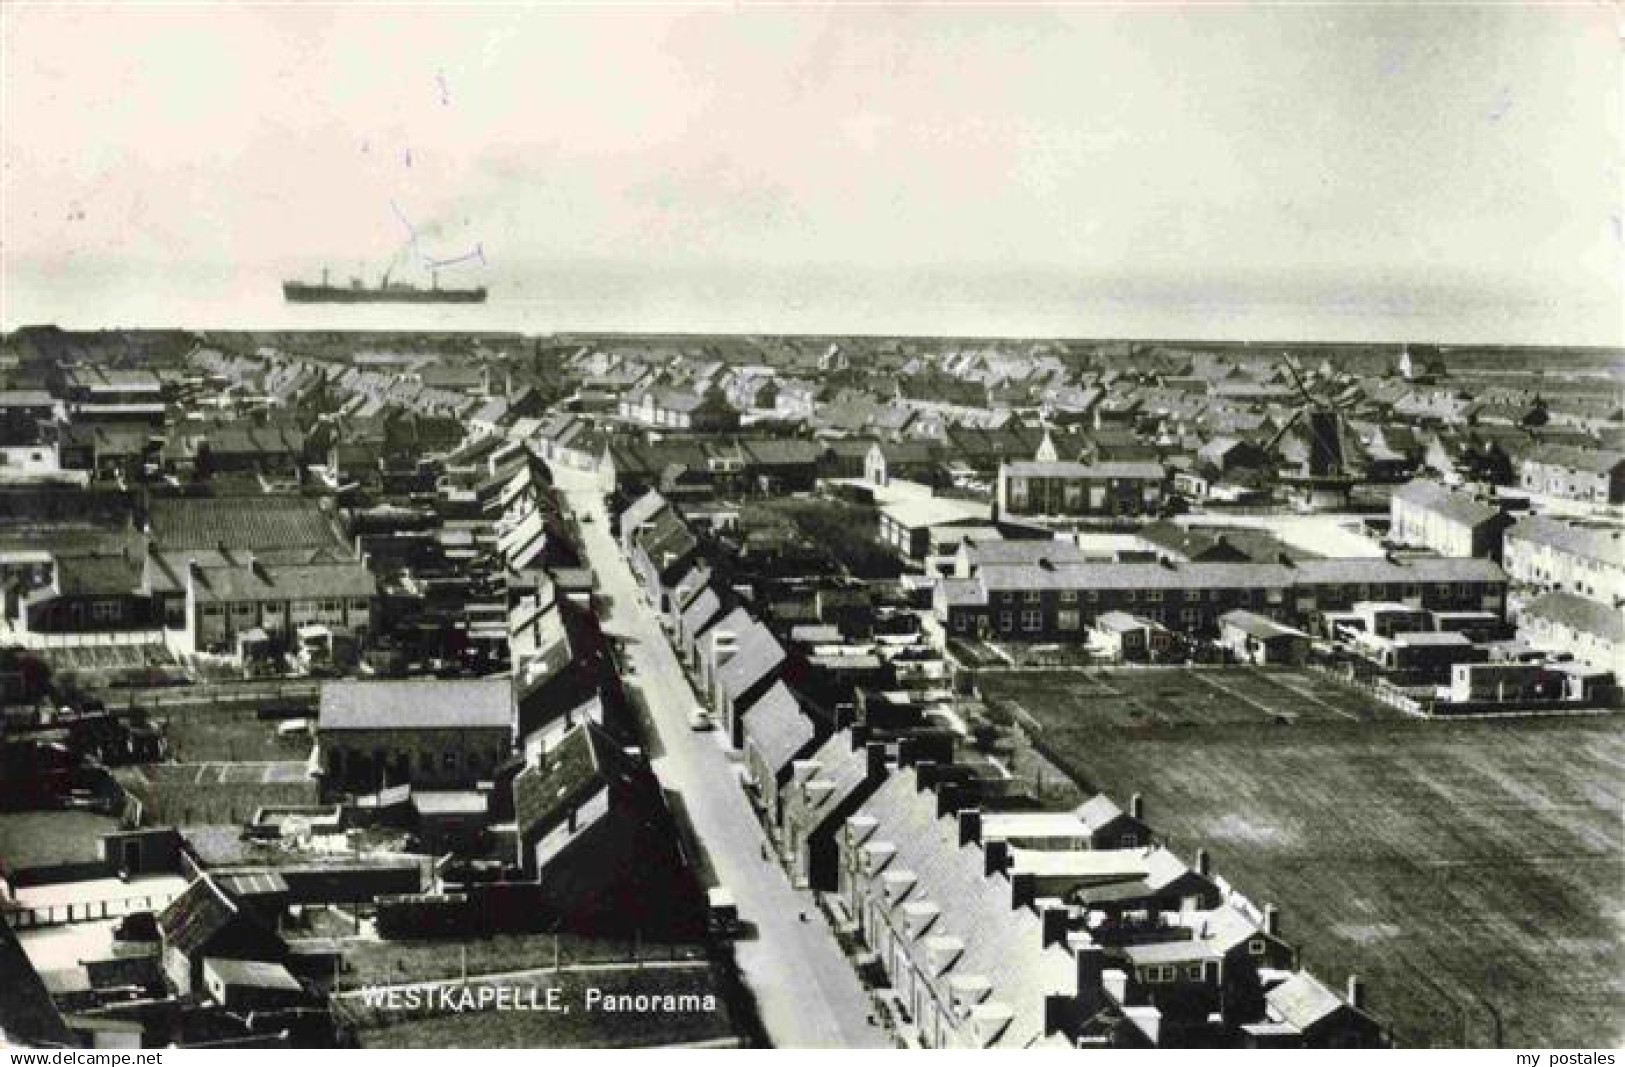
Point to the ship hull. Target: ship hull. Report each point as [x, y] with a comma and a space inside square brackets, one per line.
[295, 293]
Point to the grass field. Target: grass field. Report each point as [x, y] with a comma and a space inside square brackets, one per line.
[417, 961]
[47, 838]
[206, 732]
[1472, 871]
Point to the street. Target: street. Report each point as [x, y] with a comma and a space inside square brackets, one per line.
[806, 992]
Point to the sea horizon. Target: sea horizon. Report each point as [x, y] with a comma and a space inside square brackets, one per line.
[932, 302]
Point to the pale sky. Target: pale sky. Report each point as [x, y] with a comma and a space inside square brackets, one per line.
[1455, 166]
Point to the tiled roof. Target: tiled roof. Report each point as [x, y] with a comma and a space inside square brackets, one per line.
[701, 610]
[642, 510]
[1445, 502]
[584, 761]
[1592, 460]
[1098, 811]
[1302, 1001]
[1603, 543]
[977, 934]
[758, 654]
[776, 726]
[1579, 613]
[192, 918]
[258, 582]
[239, 522]
[416, 704]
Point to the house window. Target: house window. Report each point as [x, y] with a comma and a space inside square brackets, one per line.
[1068, 620]
[1194, 972]
[960, 622]
[1129, 595]
[1006, 621]
[1187, 615]
[1154, 596]
[1069, 596]
[1030, 596]
[1094, 596]
[1256, 947]
[1032, 620]
[105, 610]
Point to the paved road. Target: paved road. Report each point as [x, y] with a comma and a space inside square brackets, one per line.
[806, 992]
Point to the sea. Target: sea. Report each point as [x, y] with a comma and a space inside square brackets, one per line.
[548, 298]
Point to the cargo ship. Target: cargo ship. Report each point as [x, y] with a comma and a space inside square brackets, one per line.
[385, 292]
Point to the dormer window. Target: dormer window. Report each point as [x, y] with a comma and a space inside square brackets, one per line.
[1256, 947]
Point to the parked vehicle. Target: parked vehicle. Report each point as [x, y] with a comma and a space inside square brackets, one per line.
[722, 914]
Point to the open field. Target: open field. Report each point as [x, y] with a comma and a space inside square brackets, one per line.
[206, 732]
[1471, 871]
[369, 961]
[48, 838]
[582, 1026]
[1177, 697]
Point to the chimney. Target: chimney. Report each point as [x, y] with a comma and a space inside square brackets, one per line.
[995, 855]
[1023, 889]
[1356, 993]
[1091, 962]
[1136, 807]
[858, 735]
[970, 825]
[1054, 917]
[926, 775]
[1204, 864]
[1272, 920]
[877, 765]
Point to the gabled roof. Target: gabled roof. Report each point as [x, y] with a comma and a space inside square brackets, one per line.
[1604, 543]
[1098, 812]
[776, 727]
[1589, 460]
[584, 761]
[978, 935]
[416, 704]
[1302, 1001]
[701, 610]
[1446, 502]
[27, 1013]
[193, 919]
[1580, 614]
[758, 655]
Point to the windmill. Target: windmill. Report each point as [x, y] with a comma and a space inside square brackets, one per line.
[1325, 478]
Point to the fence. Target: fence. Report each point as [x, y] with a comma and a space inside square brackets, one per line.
[1375, 688]
[225, 692]
[26, 918]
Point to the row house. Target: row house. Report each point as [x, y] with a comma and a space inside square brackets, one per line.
[1565, 556]
[593, 829]
[705, 411]
[1587, 475]
[1448, 521]
[1023, 939]
[1047, 601]
[1061, 489]
[1593, 633]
